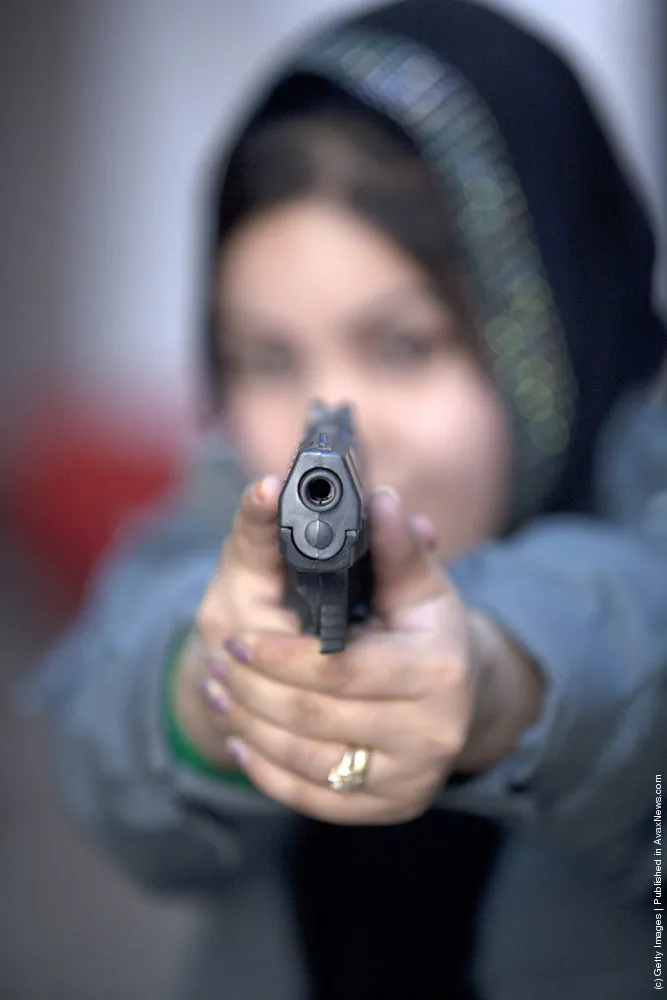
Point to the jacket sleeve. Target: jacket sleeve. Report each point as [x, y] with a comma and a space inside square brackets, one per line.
[100, 690]
[587, 598]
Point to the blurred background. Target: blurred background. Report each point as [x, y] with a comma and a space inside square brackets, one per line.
[109, 110]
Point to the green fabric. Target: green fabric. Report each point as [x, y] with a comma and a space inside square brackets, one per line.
[181, 746]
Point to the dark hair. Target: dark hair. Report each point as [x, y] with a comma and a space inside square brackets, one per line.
[353, 159]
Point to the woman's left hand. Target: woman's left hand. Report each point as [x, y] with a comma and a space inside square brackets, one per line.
[404, 690]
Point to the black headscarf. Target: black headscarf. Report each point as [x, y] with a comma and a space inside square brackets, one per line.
[558, 247]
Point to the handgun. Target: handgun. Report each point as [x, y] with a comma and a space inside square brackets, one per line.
[324, 529]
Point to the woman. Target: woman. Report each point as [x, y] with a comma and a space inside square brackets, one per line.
[421, 218]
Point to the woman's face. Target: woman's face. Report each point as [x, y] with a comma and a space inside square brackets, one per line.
[316, 304]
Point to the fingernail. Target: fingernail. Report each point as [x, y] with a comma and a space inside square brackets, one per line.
[422, 526]
[420, 522]
[237, 750]
[268, 487]
[385, 498]
[214, 695]
[238, 650]
[218, 666]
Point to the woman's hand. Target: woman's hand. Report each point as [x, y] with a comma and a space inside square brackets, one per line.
[245, 595]
[429, 687]
[405, 688]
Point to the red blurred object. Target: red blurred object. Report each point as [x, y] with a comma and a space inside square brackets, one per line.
[74, 477]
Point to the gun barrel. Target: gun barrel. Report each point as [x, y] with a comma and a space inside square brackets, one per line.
[320, 489]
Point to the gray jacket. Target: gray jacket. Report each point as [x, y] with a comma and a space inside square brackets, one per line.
[570, 909]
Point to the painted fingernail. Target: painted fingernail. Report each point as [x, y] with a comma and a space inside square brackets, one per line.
[214, 695]
[218, 666]
[237, 750]
[238, 651]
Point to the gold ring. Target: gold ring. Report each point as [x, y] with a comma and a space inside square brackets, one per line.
[350, 774]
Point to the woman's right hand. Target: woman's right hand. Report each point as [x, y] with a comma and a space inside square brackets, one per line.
[245, 595]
